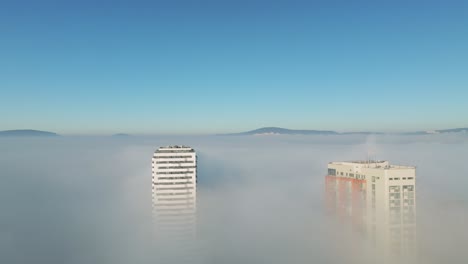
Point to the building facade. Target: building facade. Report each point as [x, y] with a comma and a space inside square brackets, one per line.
[174, 191]
[379, 199]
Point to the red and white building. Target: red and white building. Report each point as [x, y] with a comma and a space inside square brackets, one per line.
[379, 200]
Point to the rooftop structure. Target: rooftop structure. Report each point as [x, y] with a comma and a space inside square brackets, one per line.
[174, 149]
[376, 164]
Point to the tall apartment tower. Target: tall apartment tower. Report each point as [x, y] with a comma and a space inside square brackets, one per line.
[378, 199]
[174, 191]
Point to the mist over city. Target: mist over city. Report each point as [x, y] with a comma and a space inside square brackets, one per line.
[233, 131]
[260, 199]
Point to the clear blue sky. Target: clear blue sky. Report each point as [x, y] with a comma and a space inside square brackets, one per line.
[144, 67]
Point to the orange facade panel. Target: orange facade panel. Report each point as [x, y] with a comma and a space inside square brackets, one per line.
[346, 198]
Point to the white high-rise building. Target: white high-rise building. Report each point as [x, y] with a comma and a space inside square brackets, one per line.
[379, 199]
[174, 191]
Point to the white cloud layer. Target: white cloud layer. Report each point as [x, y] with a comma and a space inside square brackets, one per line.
[88, 200]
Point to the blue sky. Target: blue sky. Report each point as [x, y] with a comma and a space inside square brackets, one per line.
[158, 67]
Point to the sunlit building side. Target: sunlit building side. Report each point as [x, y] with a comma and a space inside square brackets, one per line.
[379, 200]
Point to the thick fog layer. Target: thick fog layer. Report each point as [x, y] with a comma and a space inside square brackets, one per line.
[260, 198]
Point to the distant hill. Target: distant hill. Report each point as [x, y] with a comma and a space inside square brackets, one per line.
[285, 131]
[453, 130]
[441, 131]
[27, 133]
[121, 135]
[282, 131]
[362, 133]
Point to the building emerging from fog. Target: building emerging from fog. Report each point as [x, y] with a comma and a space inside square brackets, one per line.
[379, 200]
[174, 191]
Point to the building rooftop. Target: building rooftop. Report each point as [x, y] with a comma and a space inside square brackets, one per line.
[175, 148]
[375, 164]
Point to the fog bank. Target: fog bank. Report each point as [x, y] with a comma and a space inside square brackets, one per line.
[88, 200]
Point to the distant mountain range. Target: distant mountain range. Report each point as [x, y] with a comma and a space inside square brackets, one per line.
[121, 135]
[442, 131]
[27, 133]
[257, 132]
[284, 131]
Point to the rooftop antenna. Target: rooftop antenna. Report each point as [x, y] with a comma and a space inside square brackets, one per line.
[367, 158]
[370, 157]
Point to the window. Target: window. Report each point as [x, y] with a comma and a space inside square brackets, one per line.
[408, 188]
[173, 157]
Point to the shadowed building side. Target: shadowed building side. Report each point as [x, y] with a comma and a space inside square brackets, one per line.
[345, 198]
